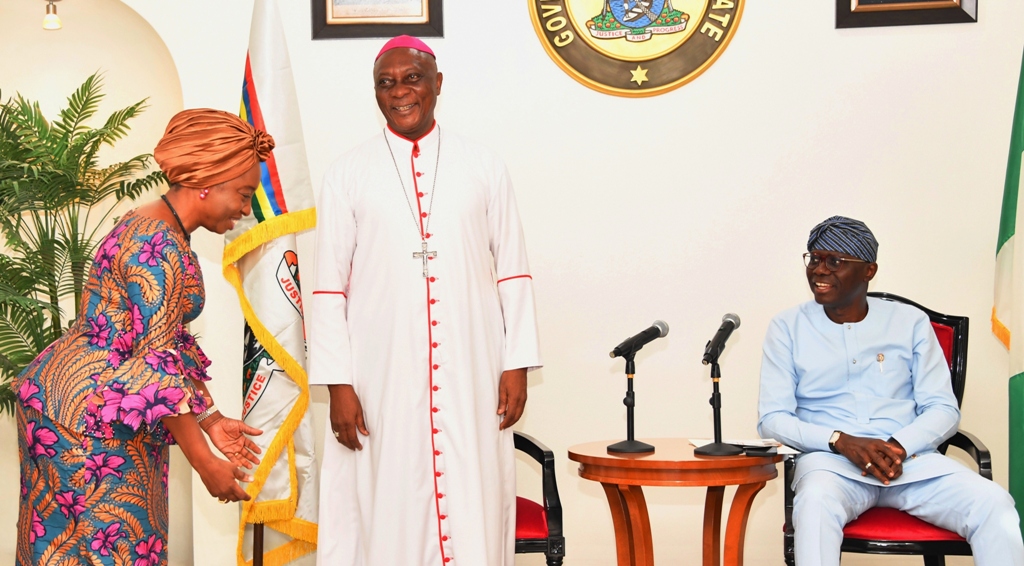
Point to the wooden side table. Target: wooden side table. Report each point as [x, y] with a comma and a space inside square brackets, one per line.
[673, 463]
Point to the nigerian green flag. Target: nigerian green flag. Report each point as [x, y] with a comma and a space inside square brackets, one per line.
[1008, 308]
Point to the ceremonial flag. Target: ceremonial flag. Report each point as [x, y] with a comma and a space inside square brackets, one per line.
[1008, 311]
[260, 261]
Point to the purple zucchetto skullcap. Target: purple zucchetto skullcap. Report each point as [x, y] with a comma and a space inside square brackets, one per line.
[844, 235]
[406, 41]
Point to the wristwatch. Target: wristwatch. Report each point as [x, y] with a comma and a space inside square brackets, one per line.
[833, 439]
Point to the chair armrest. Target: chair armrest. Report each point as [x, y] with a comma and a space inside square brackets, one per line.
[789, 470]
[546, 458]
[788, 540]
[974, 448]
[533, 447]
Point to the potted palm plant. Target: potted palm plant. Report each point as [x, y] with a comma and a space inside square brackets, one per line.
[55, 197]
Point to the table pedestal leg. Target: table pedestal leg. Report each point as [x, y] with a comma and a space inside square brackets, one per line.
[713, 525]
[633, 543]
[737, 525]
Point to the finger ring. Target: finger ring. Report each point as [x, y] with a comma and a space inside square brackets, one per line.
[337, 434]
[223, 500]
[868, 465]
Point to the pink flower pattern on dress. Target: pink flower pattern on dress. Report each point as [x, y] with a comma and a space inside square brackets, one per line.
[120, 350]
[109, 250]
[153, 250]
[104, 539]
[136, 321]
[39, 440]
[99, 330]
[101, 465]
[71, 503]
[38, 530]
[110, 411]
[94, 425]
[149, 551]
[28, 395]
[150, 405]
[194, 360]
[166, 361]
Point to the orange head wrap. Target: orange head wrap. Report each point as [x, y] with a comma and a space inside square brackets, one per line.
[203, 147]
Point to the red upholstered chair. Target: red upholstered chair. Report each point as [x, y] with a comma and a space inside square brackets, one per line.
[539, 527]
[889, 531]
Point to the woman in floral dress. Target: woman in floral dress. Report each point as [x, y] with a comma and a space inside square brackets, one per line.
[99, 407]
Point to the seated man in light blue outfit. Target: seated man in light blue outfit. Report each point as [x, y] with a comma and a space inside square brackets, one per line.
[861, 387]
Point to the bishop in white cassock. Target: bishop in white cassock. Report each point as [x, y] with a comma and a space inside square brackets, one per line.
[423, 326]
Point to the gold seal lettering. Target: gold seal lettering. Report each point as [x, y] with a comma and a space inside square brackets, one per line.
[563, 39]
[723, 5]
[550, 10]
[555, 24]
[722, 18]
[712, 31]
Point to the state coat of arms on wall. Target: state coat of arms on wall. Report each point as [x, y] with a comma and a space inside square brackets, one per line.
[635, 47]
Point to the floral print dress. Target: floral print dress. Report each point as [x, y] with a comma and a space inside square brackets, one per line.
[94, 453]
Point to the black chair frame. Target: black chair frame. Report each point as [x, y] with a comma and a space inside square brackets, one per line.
[934, 552]
[553, 546]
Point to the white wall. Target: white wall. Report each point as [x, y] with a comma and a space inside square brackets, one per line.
[905, 128]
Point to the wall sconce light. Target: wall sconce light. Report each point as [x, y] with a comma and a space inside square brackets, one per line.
[51, 20]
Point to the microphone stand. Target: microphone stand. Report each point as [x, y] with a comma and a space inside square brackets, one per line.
[630, 445]
[717, 448]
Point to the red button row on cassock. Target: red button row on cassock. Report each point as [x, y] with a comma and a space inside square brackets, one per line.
[435, 410]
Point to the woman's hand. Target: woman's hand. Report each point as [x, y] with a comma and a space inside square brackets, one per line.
[221, 479]
[228, 435]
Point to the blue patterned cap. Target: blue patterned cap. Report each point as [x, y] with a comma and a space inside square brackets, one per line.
[844, 235]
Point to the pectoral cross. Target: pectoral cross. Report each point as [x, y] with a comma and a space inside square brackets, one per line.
[425, 256]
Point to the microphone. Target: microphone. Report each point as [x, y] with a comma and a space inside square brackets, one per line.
[730, 322]
[630, 345]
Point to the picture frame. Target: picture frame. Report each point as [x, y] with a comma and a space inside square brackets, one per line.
[875, 13]
[343, 19]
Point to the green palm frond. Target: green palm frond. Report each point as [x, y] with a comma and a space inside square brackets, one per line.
[117, 124]
[133, 188]
[54, 197]
[7, 399]
[82, 105]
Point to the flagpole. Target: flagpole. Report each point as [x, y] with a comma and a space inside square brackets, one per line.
[257, 544]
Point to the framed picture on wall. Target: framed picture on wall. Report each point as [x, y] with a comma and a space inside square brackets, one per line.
[339, 19]
[873, 13]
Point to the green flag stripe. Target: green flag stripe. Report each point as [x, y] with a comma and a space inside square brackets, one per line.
[1008, 218]
[1016, 440]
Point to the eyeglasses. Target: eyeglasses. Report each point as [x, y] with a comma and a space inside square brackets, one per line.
[833, 263]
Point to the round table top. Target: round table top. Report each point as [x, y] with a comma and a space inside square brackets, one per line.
[672, 463]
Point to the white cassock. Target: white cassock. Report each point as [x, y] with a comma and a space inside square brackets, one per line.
[435, 481]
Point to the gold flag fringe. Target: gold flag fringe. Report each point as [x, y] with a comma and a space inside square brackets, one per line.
[266, 231]
[277, 514]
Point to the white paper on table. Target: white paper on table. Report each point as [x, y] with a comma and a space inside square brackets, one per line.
[750, 442]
